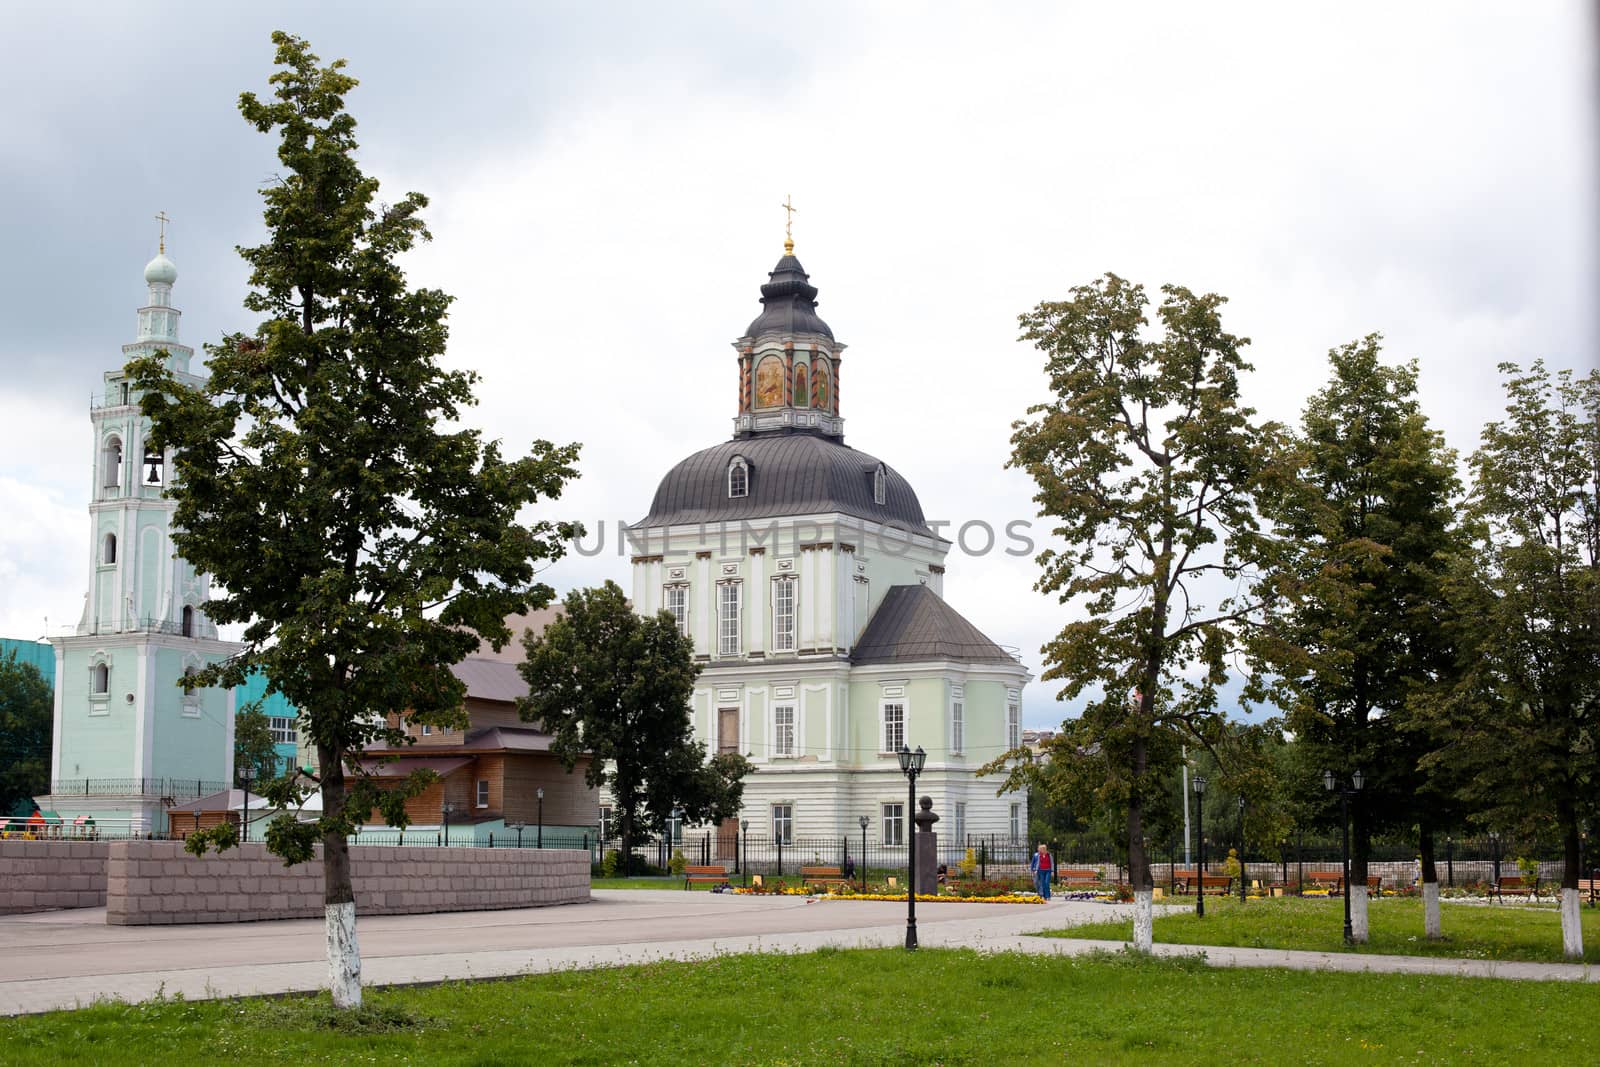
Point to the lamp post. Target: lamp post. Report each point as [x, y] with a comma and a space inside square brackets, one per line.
[1200, 844]
[744, 827]
[445, 810]
[674, 831]
[540, 794]
[1241, 849]
[245, 777]
[1494, 846]
[1330, 783]
[911, 765]
[863, 820]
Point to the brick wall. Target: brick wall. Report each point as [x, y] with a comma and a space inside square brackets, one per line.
[150, 882]
[48, 875]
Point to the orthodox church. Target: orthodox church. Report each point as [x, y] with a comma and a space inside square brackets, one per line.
[125, 734]
[813, 588]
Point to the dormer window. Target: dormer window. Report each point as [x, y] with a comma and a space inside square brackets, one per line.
[738, 478]
[880, 485]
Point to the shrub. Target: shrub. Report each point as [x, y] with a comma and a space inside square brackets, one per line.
[968, 864]
[608, 865]
[678, 863]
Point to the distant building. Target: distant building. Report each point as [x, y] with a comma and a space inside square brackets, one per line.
[39, 653]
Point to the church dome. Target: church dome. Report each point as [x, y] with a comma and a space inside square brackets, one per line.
[787, 474]
[160, 271]
[789, 303]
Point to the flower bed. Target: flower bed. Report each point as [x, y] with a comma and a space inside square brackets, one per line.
[843, 892]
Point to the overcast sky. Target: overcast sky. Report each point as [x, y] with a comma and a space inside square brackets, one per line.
[606, 180]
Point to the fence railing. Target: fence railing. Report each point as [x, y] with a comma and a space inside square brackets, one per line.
[157, 787]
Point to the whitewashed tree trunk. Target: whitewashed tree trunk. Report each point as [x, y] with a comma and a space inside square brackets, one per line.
[1571, 925]
[344, 955]
[1431, 925]
[1144, 921]
[1358, 914]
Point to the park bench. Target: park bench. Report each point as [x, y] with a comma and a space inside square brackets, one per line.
[1333, 881]
[716, 875]
[1516, 885]
[823, 876]
[1589, 887]
[1186, 881]
[1071, 877]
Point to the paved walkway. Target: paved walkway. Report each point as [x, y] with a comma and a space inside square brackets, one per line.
[65, 959]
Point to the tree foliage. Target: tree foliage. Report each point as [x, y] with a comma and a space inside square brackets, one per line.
[253, 747]
[26, 710]
[614, 686]
[362, 535]
[1148, 463]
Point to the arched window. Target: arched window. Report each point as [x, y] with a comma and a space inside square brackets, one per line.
[819, 387]
[188, 621]
[108, 549]
[102, 679]
[802, 385]
[738, 478]
[111, 463]
[880, 485]
[153, 466]
[769, 383]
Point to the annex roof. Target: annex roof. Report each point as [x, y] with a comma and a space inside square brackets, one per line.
[914, 624]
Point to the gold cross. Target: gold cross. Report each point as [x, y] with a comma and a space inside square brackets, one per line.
[788, 222]
[161, 217]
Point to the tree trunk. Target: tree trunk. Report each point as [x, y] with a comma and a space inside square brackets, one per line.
[1138, 862]
[1359, 846]
[338, 898]
[1429, 876]
[1571, 923]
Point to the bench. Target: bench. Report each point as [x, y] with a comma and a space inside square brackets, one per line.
[714, 874]
[823, 876]
[1589, 887]
[1071, 876]
[1333, 881]
[1187, 881]
[1516, 885]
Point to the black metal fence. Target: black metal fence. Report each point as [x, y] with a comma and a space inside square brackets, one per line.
[155, 787]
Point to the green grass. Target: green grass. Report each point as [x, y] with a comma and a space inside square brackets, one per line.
[1501, 932]
[858, 1007]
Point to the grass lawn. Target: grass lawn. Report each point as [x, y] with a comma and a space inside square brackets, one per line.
[1501, 932]
[881, 1006]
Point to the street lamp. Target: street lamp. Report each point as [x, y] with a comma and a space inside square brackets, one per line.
[1241, 849]
[1494, 846]
[1200, 840]
[445, 811]
[539, 792]
[863, 820]
[911, 766]
[1330, 783]
[246, 777]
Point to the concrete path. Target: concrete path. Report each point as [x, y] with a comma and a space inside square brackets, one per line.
[66, 959]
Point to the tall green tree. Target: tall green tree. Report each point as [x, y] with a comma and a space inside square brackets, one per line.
[253, 747]
[26, 708]
[1527, 713]
[1365, 523]
[614, 687]
[1148, 463]
[362, 535]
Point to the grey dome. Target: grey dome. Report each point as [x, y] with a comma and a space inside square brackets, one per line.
[789, 303]
[790, 474]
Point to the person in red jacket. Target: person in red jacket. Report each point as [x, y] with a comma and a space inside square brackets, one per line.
[1042, 867]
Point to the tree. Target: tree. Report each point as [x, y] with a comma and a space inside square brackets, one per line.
[26, 710]
[1148, 462]
[365, 539]
[1527, 711]
[253, 747]
[1364, 520]
[613, 686]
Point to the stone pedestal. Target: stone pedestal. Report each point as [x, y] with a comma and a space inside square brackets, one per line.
[927, 877]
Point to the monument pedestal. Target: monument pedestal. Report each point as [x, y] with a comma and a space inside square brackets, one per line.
[927, 872]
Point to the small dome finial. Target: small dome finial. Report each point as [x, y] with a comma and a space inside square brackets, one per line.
[788, 223]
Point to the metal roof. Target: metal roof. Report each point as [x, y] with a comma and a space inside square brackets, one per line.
[491, 679]
[914, 624]
[789, 303]
[790, 474]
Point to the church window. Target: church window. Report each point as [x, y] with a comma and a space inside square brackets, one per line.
[1013, 726]
[894, 824]
[802, 386]
[783, 613]
[958, 726]
[108, 550]
[191, 698]
[738, 478]
[783, 823]
[153, 466]
[961, 821]
[769, 383]
[111, 464]
[728, 619]
[880, 485]
[1016, 822]
[819, 387]
[677, 597]
[783, 730]
[188, 621]
[284, 729]
[894, 726]
[101, 682]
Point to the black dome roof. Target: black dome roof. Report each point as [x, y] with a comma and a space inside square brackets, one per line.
[790, 302]
[790, 474]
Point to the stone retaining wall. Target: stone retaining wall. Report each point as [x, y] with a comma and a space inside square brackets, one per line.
[50, 875]
[156, 882]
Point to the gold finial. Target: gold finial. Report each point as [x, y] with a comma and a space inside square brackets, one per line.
[161, 217]
[788, 222]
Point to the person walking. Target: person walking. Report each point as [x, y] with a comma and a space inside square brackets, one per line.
[1042, 867]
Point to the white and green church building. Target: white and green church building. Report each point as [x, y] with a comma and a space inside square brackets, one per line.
[813, 587]
[126, 735]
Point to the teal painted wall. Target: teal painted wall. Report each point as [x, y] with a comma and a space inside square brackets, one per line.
[40, 655]
[275, 705]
